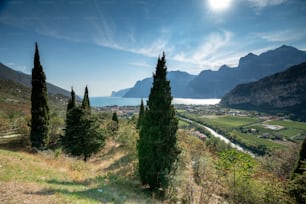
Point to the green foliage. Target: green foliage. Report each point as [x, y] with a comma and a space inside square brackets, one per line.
[237, 167]
[83, 135]
[157, 149]
[40, 109]
[115, 117]
[297, 186]
[301, 159]
[85, 102]
[71, 101]
[140, 115]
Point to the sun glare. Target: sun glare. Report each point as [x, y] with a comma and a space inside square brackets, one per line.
[219, 5]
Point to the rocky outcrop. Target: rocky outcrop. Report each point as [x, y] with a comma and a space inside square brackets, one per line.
[283, 92]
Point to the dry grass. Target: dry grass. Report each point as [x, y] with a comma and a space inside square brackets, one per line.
[47, 177]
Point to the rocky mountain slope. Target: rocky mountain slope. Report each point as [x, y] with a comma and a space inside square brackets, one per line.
[7, 73]
[281, 92]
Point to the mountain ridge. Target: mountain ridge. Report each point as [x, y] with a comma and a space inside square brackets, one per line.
[8, 73]
[215, 84]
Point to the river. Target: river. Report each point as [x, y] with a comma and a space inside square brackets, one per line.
[221, 137]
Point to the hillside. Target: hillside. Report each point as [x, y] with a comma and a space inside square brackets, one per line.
[15, 102]
[215, 84]
[25, 79]
[280, 92]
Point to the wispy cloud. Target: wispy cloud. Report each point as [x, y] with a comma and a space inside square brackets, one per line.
[283, 36]
[264, 3]
[205, 54]
[152, 50]
[140, 64]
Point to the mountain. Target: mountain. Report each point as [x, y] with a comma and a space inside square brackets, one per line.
[7, 73]
[120, 93]
[281, 92]
[214, 84]
[178, 80]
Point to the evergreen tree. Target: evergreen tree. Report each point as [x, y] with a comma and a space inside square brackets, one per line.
[157, 149]
[71, 101]
[114, 124]
[85, 102]
[140, 115]
[39, 109]
[115, 117]
[301, 159]
[297, 184]
[83, 135]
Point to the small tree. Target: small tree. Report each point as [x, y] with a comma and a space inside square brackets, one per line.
[39, 109]
[237, 167]
[157, 149]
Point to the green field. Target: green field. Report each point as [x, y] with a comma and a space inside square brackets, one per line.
[252, 132]
[231, 121]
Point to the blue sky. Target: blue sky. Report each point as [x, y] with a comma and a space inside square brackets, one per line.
[110, 44]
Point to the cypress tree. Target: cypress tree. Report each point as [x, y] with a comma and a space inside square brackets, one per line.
[140, 115]
[301, 158]
[157, 149]
[114, 125]
[85, 102]
[297, 184]
[115, 117]
[71, 102]
[39, 109]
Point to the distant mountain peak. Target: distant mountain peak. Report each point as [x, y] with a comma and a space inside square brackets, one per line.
[224, 67]
[249, 58]
[286, 47]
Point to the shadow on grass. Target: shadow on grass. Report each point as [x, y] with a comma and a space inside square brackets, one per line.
[129, 191]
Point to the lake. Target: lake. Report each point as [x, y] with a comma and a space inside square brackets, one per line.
[118, 101]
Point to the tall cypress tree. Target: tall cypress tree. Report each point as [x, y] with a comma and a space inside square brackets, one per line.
[157, 149]
[85, 102]
[40, 109]
[71, 102]
[301, 158]
[140, 115]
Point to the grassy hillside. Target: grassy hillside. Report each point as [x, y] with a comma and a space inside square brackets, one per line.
[202, 175]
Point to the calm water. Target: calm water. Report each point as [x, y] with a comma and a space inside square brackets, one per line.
[110, 101]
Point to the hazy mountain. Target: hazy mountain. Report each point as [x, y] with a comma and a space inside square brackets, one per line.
[214, 84]
[281, 92]
[120, 93]
[178, 80]
[25, 79]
